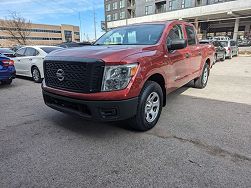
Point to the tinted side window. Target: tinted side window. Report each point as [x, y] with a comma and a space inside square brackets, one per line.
[175, 33]
[215, 43]
[232, 43]
[191, 38]
[30, 52]
[21, 52]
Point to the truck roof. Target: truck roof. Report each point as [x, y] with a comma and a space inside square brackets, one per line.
[157, 22]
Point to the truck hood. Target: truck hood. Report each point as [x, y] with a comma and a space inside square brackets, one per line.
[111, 53]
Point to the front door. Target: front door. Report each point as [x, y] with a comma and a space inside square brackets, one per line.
[177, 59]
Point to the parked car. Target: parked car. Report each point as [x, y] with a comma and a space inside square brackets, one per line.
[74, 44]
[220, 53]
[29, 61]
[244, 43]
[7, 70]
[127, 73]
[231, 48]
[221, 38]
[7, 52]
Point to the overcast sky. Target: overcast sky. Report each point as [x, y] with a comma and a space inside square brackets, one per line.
[58, 12]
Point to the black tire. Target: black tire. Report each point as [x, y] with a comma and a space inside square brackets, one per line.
[36, 75]
[224, 57]
[215, 59]
[237, 53]
[200, 82]
[139, 121]
[7, 82]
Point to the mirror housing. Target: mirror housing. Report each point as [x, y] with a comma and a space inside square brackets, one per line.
[177, 44]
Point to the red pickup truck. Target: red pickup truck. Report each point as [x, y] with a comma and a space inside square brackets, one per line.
[127, 73]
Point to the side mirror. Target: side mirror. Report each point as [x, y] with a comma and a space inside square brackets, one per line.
[177, 44]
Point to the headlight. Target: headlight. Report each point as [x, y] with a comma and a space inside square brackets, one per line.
[118, 77]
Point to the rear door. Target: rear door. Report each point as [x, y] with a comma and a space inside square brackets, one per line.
[194, 50]
[20, 61]
[176, 59]
[233, 47]
[30, 53]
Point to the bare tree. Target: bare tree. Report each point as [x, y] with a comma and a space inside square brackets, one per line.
[17, 27]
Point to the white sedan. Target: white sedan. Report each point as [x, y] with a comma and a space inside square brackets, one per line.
[28, 61]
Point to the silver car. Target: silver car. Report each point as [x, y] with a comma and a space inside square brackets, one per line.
[231, 48]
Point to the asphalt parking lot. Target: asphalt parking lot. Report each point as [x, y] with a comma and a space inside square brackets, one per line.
[203, 139]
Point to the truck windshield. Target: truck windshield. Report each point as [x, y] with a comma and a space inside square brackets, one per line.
[147, 34]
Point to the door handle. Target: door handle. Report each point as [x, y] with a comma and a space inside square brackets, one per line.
[187, 55]
[18, 60]
[30, 59]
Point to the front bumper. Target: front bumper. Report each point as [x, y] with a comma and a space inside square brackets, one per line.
[94, 110]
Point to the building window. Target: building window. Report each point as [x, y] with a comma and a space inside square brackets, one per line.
[183, 4]
[122, 4]
[173, 5]
[114, 5]
[68, 36]
[170, 5]
[115, 16]
[160, 7]
[108, 17]
[122, 15]
[148, 9]
[108, 7]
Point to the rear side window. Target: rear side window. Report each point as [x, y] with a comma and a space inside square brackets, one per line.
[191, 38]
[216, 43]
[175, 33]
[232, 43]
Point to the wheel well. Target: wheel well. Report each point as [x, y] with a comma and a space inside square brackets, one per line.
[158, 78]
[208, 62]
[33, 66]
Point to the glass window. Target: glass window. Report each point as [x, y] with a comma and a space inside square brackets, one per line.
[21, 52]
[148, 9]
[147, 34]
[108, 17]
[50, 49]
[108, 7]
[232, 43]
[216, 43]
[122, 4]
[170, 5]
[115, 5]
[191, 36]
[174, 33]
[31, 52]
[183, 4]
[224, 43]
[122, 15]
[115, 16]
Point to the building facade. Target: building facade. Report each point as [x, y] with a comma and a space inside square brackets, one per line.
[211, 17]
[42, 34]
